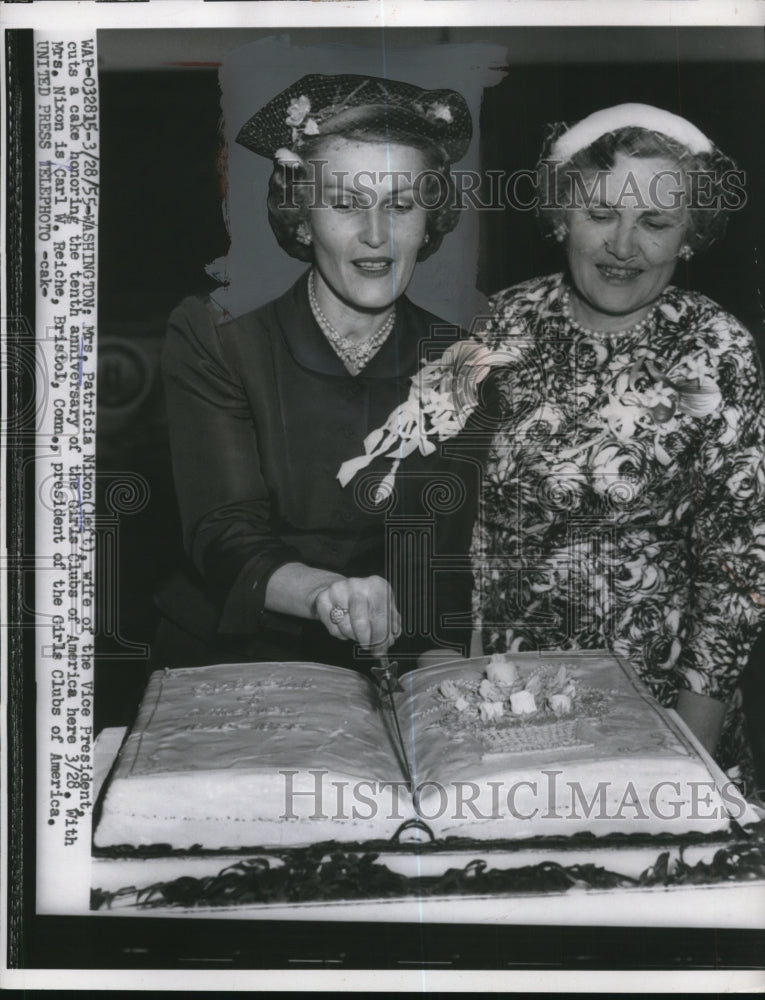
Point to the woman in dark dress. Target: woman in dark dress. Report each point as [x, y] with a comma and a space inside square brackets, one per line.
[265, 408]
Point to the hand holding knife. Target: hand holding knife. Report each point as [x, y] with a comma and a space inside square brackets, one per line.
[386, 676]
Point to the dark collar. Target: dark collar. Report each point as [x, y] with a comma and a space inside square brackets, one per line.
[398, 357]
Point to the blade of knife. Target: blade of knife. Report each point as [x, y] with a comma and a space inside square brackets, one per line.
[386, 677]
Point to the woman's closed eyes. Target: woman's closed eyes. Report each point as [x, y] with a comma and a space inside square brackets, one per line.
[649, 220]
[362, 202]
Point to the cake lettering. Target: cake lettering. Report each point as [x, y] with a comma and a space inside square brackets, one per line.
[227, 726]
[253, 688]
[249, 710]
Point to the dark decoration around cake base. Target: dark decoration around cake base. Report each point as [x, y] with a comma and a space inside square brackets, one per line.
[310, 876]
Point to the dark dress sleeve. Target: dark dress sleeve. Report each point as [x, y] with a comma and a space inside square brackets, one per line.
[426, 558]
[447, 485]
[453, 581]
[222, 496]
[464, 460]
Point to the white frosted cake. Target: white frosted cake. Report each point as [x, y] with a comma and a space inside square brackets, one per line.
[289, 754]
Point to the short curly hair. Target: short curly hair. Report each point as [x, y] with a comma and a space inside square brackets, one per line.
[713, 184]
[288, 194]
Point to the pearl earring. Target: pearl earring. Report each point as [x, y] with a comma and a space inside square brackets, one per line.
[685, 252]
[425, 239]
[303, 235]
[560, 232]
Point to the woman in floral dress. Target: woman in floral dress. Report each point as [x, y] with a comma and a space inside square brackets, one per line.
[624, 505]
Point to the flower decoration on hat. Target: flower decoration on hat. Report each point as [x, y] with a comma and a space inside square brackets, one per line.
[297, 110]
[436, 111]
[287, 157]
[297, 117]
[364, 105]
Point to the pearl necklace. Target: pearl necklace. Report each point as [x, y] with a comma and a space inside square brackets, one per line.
[636, 328]
[354, 356]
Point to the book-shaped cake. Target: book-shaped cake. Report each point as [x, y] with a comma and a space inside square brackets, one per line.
[277, 754]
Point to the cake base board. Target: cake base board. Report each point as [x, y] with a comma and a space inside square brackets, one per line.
[110, 874]
[731, 906]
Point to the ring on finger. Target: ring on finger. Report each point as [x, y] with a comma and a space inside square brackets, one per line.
[337, 614]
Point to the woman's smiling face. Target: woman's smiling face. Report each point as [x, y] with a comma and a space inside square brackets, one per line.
[369, 228]
[622, 249]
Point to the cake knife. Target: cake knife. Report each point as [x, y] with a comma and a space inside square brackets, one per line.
[386, 676]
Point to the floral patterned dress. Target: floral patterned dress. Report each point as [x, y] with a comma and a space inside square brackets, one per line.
[624, 502]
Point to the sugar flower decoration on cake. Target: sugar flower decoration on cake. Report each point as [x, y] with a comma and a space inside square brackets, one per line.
[490, 711]
[522, 703]
[501, 671]
[489, 691]
[512, 697]
[449, 690]
[560, 704]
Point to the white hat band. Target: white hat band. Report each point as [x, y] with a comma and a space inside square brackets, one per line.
[600, 123]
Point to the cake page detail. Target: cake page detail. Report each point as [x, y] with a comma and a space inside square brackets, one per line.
[503, 749]
[263, 716]
[552, 744]
[254, 754]
[472, 715]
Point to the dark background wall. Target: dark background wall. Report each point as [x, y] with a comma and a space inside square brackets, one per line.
[161, 223]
